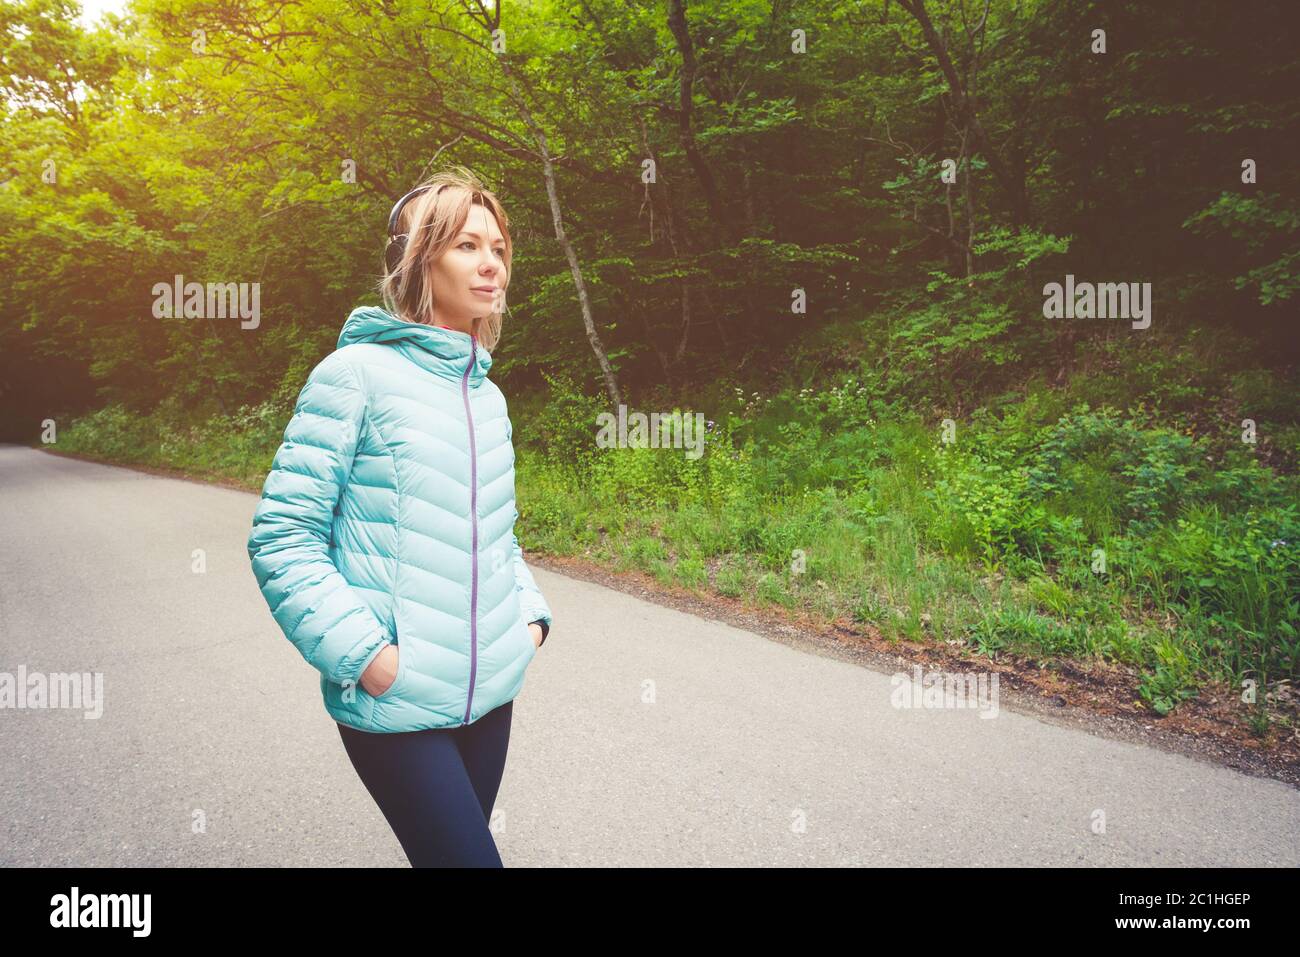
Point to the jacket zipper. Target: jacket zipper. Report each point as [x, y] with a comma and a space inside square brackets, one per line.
[473, 518]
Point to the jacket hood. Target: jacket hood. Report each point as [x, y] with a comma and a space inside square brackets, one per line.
[443, 352]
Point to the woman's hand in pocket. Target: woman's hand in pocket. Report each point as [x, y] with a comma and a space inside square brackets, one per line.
[535, 630]
[381, 674]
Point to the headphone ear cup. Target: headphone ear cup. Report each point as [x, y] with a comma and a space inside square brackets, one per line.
[393, 253]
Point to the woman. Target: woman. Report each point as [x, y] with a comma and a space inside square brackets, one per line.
[384, 540]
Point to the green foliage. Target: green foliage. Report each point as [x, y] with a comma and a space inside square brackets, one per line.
[979, 508]
[112, 432]
[1171, 681]
[1239, 572]
[974, 329]
[1115, 473]
[1028, 632]
[566, 428]
[1257, 223]
[1020, 248]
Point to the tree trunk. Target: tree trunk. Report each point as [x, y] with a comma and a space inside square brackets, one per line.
[490, 23]
[686, 135]
[966, 110]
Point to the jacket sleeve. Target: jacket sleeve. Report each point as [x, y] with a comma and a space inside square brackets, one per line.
[531, 601]
[311, 601]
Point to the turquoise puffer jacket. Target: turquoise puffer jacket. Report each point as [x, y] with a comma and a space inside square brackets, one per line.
[388, 518]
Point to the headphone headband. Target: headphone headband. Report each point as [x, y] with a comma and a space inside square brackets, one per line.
[397, 209]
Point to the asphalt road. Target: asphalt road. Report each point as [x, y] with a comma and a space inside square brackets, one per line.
[643, 736]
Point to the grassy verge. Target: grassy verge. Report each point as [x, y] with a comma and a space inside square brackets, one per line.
[1059, 533]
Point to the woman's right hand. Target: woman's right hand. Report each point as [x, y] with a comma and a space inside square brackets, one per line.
[381, 674]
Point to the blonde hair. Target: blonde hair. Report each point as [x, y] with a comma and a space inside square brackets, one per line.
[431, 221]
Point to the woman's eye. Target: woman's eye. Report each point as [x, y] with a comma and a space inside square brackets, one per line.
[499, 250]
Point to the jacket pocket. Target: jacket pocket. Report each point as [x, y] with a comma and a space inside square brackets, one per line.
[402, 659]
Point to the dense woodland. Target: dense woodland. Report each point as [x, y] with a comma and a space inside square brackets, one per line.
[827, 225]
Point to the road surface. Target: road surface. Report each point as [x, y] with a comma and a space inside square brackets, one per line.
[643, 735]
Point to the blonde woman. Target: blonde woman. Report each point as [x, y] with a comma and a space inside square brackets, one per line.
[384, 539]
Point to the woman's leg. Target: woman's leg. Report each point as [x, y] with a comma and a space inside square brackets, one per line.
[483, 747]
[421, 785]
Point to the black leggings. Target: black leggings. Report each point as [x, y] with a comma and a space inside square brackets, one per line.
[437, 787]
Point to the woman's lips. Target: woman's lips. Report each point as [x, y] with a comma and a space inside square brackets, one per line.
[485, 292]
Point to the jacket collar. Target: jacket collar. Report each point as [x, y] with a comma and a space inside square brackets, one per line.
[443, 352]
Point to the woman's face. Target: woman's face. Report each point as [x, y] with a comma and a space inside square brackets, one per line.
[469, 279]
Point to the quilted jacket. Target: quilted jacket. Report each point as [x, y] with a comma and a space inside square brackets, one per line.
[388, 518]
